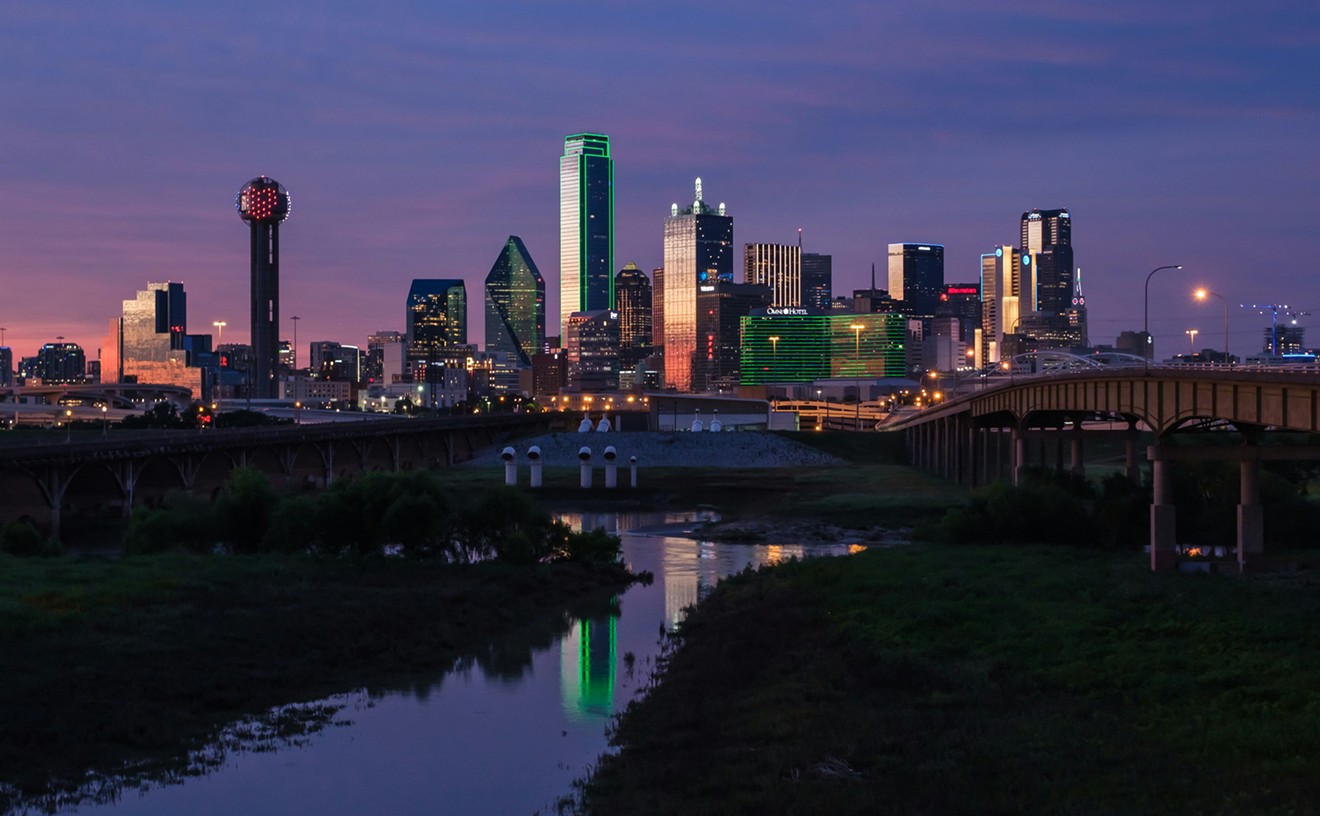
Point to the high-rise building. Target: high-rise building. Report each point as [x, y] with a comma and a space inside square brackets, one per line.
[586, 225]
[720, 310]
[963, 301]
[778, 266]
[916, 276]
[264, 204]
[57, 363]
[515, 304]
[436, 313]
[1046, 239]
[373, 366]
[1077, 321]
[331, 360]
[698, 253]
[6, 366]
[632, 291]
[817, 280]
[149, 343]
[1001, 280]
[591, 344]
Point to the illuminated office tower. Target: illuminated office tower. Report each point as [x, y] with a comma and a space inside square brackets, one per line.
[807, 345]
[698, 253]
[1001, 278]
[916, 276]
[436, 314]
[150, 343]
[817, 281]
[720, 310]
[586, 226]
[515, 304]
[778, 266]
[264, 204]
[632, 291]
[1047, 240]
[591, 344]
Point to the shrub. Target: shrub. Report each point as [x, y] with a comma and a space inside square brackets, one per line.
[24, 540]
[243, 510]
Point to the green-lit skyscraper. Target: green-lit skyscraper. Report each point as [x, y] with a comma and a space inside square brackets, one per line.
[586, 225]
[515, 303]
[801, 345]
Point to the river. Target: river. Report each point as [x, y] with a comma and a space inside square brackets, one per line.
[503, 734]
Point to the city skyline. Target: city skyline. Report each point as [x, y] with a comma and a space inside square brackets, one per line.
[137, 122]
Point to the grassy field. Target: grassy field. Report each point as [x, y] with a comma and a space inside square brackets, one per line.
[931, 679]
[134, 661]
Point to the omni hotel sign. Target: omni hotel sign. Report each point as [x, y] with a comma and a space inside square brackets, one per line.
[796, 311]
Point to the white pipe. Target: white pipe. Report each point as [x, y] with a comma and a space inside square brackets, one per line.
[611, 467]
[510, 457]
[584, 454]
[534, 466]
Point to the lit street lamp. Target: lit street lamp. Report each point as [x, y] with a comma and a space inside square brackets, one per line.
[1145, 322]
[105, 422]
[1191, 340]
[1202, 294]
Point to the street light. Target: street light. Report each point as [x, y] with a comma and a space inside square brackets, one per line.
[1191, 340]
[1145, 322]
[1202, 294]
[774, 344]
[857, 354]
[295, 320]
[105, 422]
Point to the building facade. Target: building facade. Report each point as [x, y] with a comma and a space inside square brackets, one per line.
[586, 225]
[515, 304]
[720, 310]
[1001, 278]
[778, 266]
[916, 276]
[817, 280]
[633, 293]
[1048, 280]
[591, 348]
[802, 345]
[149, 343]
[698, 253]
[263, 203]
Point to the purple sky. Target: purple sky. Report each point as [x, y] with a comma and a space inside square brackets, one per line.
[415, 137]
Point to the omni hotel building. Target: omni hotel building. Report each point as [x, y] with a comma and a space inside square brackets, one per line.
[800, 344]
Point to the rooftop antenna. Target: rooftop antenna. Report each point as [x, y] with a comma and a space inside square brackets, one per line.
[799, 239]
[872, 278]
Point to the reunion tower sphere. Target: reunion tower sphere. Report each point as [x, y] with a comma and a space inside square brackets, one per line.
[263, 200]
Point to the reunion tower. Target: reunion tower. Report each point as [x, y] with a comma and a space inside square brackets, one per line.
[264, 204]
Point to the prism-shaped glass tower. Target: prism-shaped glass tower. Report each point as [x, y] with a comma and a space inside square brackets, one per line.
[515, 303]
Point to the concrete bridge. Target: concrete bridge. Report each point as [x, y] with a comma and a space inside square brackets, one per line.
[45, 478]
[990, 434]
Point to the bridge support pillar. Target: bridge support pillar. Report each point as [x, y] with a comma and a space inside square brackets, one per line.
[1019, 459]
[1250, 517]
[1078, 463]
[1130, 454]
[1163, 515]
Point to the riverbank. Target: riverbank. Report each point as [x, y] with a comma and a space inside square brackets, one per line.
[129, 664]
[929, 679]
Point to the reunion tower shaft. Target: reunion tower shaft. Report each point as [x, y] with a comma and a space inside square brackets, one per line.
[264, 204]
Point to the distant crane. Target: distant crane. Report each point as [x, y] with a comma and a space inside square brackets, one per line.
[1274, 310]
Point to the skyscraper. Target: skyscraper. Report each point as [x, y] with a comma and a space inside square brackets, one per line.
[1047, 241]
[817, 281]
[264, 204]
[720, 310]
[6, 365]
[586, 225]
[515, 304]
[778, 266]
[591, 344]
[1001, 280]
[149, 343]
[436, 314]
[698, 254]
[916, 277]
[632, 290]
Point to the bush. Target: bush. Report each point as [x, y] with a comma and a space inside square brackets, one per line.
[503, 523]
[243, 510]
[595, 546]
[1000, 513]
[24, 540]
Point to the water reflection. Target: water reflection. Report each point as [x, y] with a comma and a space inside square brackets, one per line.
[503, 730]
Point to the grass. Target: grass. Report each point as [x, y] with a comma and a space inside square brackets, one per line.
[137, 660]
[928, 679]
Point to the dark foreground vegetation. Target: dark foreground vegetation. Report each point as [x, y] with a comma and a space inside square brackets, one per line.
[989, 679]
[122, 669]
